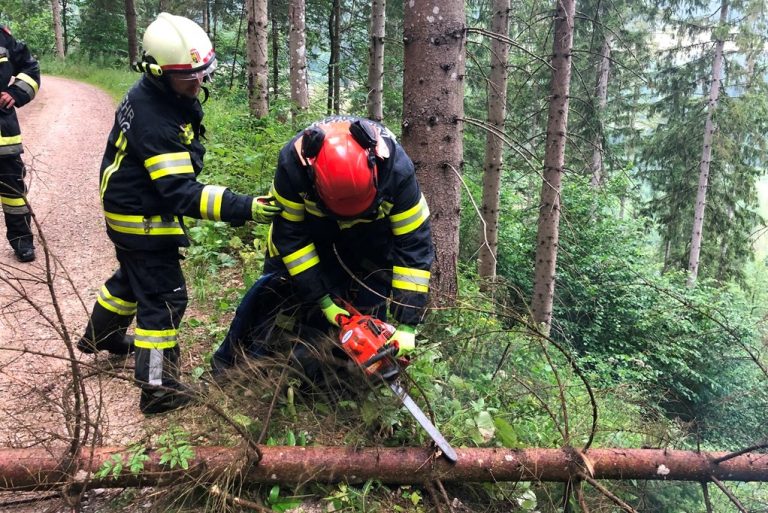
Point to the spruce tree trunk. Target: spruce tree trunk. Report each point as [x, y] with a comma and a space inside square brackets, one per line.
[334, 36]
[494, 145]
[375, 99]
[706, 154]
[433, 109]
[275, 49]
[130, 23]
[58, 29]
[601, 96]
[547, 238]
[297, 47]
[258, 89]
[41, 468]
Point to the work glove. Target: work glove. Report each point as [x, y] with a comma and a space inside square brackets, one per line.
[263, 209]
[405, 337]
[331, 310]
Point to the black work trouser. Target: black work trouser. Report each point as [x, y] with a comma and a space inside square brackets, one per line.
[150, 285]
[18, 221]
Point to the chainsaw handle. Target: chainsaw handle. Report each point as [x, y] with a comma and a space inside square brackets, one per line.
[385, 352]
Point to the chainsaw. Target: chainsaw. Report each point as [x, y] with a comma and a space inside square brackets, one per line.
[365, 339]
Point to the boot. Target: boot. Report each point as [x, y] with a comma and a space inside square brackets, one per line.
[24, 249]
[156, 400]
[106, 332]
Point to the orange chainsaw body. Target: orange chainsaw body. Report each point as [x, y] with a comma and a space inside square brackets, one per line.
[364, 339]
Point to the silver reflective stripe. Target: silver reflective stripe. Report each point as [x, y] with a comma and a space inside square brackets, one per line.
[26, 88]
[410, 278]
[11, 149]
[8, 209]
[169, 164]
[155, 367]
[124, 308]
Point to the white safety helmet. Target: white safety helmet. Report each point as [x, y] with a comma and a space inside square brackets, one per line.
[174, 44]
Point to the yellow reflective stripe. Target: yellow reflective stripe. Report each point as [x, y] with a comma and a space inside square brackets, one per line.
[408, 221]
[292, 211]
[12, 139]
[3, 59]
[169, 164]
[407, 278]
[115, 304]
[301, 260]
[140, 225]
[210, 202]
[13, 202]
[271, 248]
[155, 339]
[27, 80]
[121, 144]
[313, 209]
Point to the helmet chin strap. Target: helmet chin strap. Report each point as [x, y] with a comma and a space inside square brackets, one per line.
[206, 94]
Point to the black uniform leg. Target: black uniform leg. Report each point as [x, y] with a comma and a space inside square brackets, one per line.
[161, 294]
[18, 221]
[112, 313]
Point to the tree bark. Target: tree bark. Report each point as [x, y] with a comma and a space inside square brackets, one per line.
[258, 71]
[334, 36]
[601, 95]
[547, 238]
[298, 49]
[130, 23]
[39, 468]
[275, 49]
[494, 146]
[433, 112]
[58, 29]
[375, 100]
[706, 154]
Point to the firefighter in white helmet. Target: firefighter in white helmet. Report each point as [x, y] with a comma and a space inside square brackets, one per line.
[148, 184]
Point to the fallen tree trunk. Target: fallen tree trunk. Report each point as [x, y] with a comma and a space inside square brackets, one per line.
[26, 469]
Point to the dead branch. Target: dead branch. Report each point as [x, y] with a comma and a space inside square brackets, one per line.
[729, 494]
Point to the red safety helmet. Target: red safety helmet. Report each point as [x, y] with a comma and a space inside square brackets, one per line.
[345, 173]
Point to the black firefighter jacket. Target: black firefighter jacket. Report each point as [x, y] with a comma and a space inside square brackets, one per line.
[149, 172]
[19, 67]
[305, 239]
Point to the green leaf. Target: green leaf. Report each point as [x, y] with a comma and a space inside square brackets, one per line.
[506, 433]
[485, 425]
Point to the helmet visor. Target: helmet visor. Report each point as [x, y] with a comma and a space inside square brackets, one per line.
[201, 74]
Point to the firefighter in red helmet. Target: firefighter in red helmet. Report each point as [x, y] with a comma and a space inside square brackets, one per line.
[354, 225]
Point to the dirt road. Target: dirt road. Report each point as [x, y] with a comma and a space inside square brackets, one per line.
[64, 130]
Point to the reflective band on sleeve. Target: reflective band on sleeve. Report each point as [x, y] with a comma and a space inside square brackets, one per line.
[115, 304]
[3, 59]
[121, 144]
[292, 211]
[26, 84]
[271, 248]
[313, 209]
[301, 260]
[17, 206]
[169, 164]
[140, 225]
[408, 221]
[155, 339]
[406, 278]
[210, 202]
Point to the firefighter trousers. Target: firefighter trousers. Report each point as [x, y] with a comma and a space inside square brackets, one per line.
[18, 221]
[151, 286]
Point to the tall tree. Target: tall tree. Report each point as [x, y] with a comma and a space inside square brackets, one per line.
[130, 23]
[297, 46]
[434, 36]
[258, 72]
[375, 97]
[494, 144]
[334, 36]
[58, 29]
[547, 237]
[275, 22]
[706, 154]
[601, 99]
